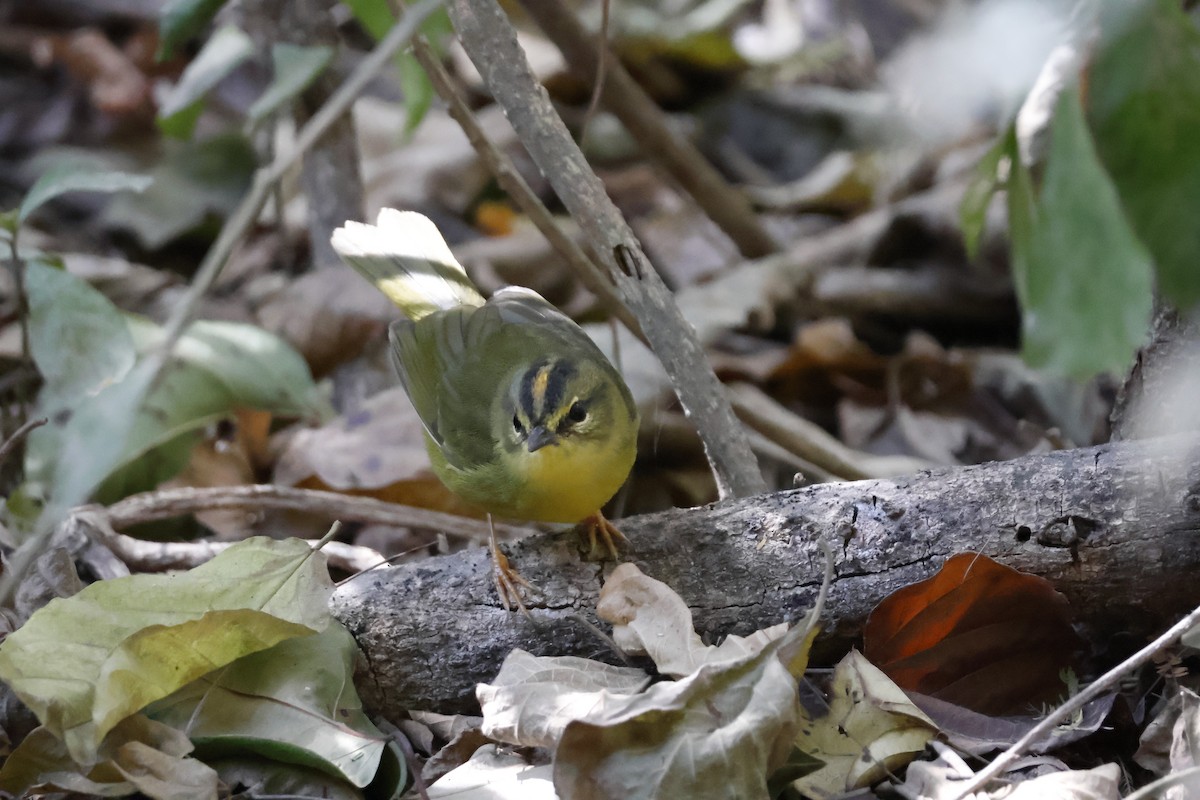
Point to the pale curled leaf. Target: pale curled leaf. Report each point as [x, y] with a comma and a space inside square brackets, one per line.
[871, 727]
[494, 775]
[138, 755]
[729, 725]
[76, 662]
[649, 618]
[533, 698]
[1100, 783]
[730, 722]
[943, 778]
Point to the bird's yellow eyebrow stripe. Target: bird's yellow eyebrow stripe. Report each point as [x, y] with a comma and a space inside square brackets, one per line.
[541, 381]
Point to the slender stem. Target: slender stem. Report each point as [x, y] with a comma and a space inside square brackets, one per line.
[1166, 782]
[235, 228]
[17, 267]
[1104, 683]
[266, 177]
[19, 434]
[511, 181]
[167, 503]
[491, 43]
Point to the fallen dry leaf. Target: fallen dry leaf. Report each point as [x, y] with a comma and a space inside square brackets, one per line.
[534, 698]
[376, 451]
[978, 634]
[730, 722]
[870, 729]
[650, 619]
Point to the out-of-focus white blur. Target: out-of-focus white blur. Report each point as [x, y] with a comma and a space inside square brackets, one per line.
[974, 66]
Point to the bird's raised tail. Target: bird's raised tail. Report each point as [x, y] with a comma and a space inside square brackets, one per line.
[405, 256]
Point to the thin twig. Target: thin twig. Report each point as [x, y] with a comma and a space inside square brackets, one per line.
[601, 70]
[1105, 683]
[234, 229]
[19, 434]
[1190, 776]
[145, 556]
[491, 43]
[645, 121]
[167, 503]
[266, 177]
[17, 265]
[511, 180]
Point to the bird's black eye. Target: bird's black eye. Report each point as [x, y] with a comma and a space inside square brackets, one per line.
[517, 426]
[576, 413]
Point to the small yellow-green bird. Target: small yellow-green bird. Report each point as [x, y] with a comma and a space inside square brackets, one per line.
[524, 416]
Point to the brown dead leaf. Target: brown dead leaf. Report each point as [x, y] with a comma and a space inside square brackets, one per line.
[231, 455]
[116, 85]
[328, 316]
[977, 634]
[375, 451]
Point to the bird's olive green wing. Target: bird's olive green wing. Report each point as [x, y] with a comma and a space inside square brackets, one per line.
[457, 364]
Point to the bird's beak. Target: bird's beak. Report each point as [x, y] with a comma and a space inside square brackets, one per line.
[539, 437]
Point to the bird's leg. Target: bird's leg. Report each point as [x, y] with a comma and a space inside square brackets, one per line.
[596, 527]
[508, 581]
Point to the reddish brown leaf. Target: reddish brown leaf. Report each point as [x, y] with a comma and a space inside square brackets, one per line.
[978, 634]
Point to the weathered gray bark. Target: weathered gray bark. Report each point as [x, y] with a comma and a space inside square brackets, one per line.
[1115, 528]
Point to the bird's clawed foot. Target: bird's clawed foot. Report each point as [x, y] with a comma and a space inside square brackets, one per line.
[597, 529]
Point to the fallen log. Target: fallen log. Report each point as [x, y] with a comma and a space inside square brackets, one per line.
[1115, 528]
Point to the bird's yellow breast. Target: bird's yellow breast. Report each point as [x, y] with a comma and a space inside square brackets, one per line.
[568, 481]
[563, 482]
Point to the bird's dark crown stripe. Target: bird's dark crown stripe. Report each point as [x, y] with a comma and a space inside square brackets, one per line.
[529, 397]
[543, 388]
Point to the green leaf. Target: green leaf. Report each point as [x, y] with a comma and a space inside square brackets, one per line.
[77, 176]
[78, 338]
[972, 211]
[416, 88]
[1084, 280]
[294, 69]
[180, 20]
[78, 449]
[222, 54]
[374, 15]
[84, 663]
[294, 703]
[193, 182]
[1144, 93]
[258, 368]
[377, 18]
[217, 368]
